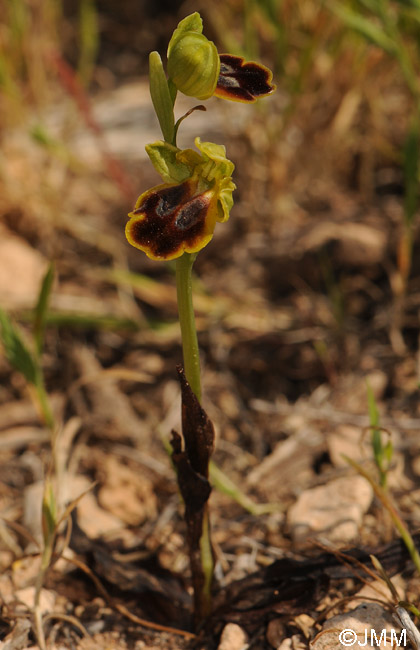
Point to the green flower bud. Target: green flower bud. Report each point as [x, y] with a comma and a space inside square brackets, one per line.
[193, 60]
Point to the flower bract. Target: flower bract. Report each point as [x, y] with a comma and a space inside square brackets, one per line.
[180, 215]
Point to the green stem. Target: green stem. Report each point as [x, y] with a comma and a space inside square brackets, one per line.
[187, 322]
[207, 564]
[163, 96]
[184, 264]
[45, 563]
[44, 402]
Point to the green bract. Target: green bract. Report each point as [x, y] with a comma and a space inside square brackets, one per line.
[161, 97]
[193, 60]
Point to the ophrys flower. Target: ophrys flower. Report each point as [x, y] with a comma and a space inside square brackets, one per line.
[180, 215]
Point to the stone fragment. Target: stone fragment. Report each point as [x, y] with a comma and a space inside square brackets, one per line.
[233, 638]
[378, 589]
[296, 642]
[275, 633]
[47, 599]
[348, 441]
[369, 626]
[334, 510]
[21, 271]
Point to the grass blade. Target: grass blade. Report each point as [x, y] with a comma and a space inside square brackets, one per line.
[16, 350]
[363, 26]
[41, 308]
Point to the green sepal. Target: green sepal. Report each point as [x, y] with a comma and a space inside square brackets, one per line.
[192, 23]
[165, 160]
[217, 154]
[173, 91]
[161, 96]
[175, 165]
[226, 187]
[193, 60]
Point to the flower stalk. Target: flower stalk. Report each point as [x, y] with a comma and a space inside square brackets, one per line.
[190, 350]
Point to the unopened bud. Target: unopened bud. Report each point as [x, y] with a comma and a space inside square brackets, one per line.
[193, 60]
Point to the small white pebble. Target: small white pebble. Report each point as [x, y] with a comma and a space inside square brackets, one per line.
[336, 509]
[233, 638]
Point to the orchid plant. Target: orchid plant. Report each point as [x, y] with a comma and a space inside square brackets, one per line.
[174, 221]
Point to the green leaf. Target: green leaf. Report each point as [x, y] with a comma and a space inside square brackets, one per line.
[17, 353]
[41, 308]
[388, 452]
[90, 321]
[49, 512]
[161, 97]
[373, 409]
[374, 423]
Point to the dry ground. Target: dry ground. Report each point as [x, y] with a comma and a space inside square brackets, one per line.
[298, 303]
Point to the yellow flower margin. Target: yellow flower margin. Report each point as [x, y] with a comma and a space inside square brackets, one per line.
[180, 215]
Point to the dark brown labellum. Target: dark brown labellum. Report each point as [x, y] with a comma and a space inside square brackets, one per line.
[243, 81]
